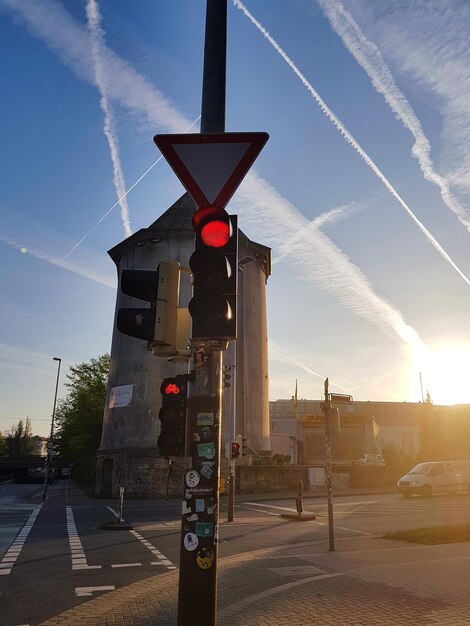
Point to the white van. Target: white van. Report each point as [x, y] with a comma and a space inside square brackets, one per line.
[436, 477]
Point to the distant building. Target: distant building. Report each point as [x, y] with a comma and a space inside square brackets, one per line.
[368, 427]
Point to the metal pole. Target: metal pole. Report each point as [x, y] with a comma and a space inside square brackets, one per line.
[215, 55]
[329, 482]
[197, 593]
[197, 597]
[232, 475]
[48, 457]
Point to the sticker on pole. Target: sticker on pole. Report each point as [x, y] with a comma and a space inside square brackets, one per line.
[211, 166]
[192, 478]
[205, 558]
[190, 541]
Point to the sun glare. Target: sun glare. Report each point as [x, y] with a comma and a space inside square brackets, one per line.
[446, 375]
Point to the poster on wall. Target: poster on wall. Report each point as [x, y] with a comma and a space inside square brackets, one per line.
[120, 396]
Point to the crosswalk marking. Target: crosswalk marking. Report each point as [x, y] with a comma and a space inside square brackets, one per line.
[10, 556]
[76, 549]
[153, 550]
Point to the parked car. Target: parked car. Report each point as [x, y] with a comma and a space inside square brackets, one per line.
[436, 477]
[370, 459]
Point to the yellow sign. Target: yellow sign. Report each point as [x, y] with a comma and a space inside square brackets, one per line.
[205, 558]
[312, 419]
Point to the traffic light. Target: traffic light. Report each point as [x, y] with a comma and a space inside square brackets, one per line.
[235, 450]
[155, 324]
[173, 416]
[227, 376]
[214, 267]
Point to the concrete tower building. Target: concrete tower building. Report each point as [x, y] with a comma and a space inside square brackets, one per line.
[128, 454]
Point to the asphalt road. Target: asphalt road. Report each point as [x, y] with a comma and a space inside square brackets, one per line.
[55, 555]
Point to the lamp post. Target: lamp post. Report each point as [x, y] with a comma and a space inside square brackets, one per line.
[50, 442]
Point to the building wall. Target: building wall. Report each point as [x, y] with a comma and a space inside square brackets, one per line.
[128, 454]
[366, 427]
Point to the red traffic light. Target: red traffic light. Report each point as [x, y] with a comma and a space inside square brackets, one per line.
[213, 226]
[235, 450]
[172, 389]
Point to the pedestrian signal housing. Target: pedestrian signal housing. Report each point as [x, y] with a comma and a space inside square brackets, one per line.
[172, 416]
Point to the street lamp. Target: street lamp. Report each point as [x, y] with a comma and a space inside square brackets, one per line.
[50, 442]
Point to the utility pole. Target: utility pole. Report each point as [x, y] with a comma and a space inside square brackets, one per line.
[225, 159]
[197, 595]
[326, 408]
[50, 443]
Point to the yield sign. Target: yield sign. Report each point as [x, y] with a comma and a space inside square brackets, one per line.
[211, 167]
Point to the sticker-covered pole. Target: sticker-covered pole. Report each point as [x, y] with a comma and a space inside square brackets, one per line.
[197, 599]
[326, 406]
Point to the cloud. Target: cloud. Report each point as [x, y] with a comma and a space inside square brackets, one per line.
[348, 137]
[371, 60]
[54, 260]
[97, 45]
[427, 41]
[318, 259]
[275, 217]
[48, 21]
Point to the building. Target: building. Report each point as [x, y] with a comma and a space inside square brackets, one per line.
[366, 427]
[128, 454]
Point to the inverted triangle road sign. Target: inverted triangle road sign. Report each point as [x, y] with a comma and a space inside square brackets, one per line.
[211, 166]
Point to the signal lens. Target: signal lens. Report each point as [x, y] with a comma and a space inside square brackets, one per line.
[215, 234]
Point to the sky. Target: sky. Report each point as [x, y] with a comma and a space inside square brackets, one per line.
[362, 191]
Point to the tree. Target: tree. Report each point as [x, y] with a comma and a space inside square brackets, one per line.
[19, 441]
[79, 417]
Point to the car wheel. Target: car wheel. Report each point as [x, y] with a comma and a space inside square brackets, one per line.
[426, 491]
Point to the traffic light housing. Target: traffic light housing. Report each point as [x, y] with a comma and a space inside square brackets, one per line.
[172, 415]
[214, 266]
[235, 450]
[156, 324]
[227, 376]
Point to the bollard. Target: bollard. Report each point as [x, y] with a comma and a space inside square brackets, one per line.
[299, 503]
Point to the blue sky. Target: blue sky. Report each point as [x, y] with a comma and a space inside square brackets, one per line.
[362, 191]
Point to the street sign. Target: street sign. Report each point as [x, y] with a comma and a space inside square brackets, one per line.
[211, 166]
[340, 398]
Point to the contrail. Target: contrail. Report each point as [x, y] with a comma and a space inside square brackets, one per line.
[351, 140]
[369, 57]
[275, 218]
[317, 258]
[50, 258]
[119, 199]
[328, 217]
[97, 41]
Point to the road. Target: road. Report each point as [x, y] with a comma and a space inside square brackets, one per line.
[54, 555]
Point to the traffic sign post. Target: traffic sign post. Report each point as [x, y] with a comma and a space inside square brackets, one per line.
[211, 166]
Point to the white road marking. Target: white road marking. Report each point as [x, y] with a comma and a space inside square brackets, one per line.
[116, 515]
[14, 550]
[153, 550]
[250, 508]
[76, 549]
[284, 508]
[127, 565]
[88, 591]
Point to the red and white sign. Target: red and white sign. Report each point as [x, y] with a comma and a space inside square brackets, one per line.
[211, 166]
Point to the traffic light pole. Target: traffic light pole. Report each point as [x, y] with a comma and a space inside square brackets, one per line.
[197, 598]
[326, 407]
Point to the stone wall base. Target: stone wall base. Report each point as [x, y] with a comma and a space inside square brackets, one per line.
[141, 471]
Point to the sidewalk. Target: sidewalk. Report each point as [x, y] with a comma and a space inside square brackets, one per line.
[366, 581]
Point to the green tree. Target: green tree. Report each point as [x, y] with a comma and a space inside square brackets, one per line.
[3, 445]
[79, 417]
[19, 441]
